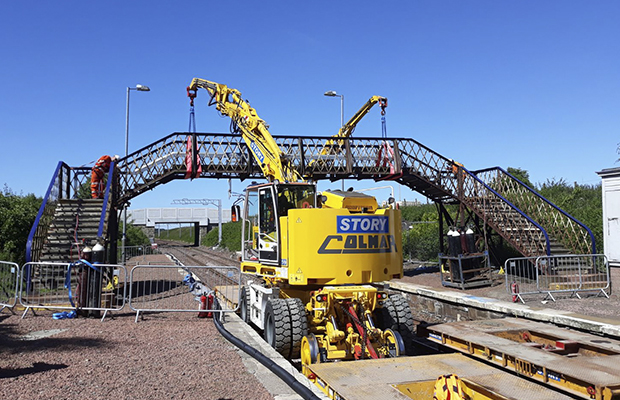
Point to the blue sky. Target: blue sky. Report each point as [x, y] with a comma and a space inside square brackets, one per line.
[527, 84]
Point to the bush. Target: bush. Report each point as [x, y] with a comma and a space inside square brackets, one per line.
[231, 236]
[421, 242]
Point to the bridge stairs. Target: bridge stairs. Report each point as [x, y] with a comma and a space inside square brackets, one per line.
[68, 217]
[73, 219]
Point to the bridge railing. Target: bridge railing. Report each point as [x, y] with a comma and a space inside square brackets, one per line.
[520, 230]
[573, 234]
[66, 183]
[227, 156]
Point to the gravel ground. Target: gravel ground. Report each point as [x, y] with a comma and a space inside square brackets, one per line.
[164, 356]
[589, 304]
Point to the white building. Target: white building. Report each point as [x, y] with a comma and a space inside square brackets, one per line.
[611, 214]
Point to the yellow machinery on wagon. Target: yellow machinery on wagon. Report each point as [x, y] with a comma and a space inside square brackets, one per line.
[315, 255]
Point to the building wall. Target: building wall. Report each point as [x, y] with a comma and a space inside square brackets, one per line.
[611, 214]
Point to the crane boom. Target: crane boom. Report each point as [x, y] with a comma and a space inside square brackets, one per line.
[272, 161]
[347, 129]
[334, 145]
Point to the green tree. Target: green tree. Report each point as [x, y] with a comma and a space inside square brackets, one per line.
[584, 202]
[521, 175]
[17, 214]
[135, 236]
[421, 242]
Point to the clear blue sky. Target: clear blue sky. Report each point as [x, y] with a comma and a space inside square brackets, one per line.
[527, 84]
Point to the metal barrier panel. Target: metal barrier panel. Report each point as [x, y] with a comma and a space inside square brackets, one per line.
[521, 277]
[137, 251]
[572, 274]
[103, 290]
[9, 278]
[179, 288]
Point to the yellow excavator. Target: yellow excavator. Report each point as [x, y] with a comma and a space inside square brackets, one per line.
[317, 257]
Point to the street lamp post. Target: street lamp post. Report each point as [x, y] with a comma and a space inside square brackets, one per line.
[332, 93]
[139, 88]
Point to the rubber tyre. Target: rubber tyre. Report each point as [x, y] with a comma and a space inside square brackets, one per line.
[277, 328]
[244, 304]
[299, 325]
[396, 315]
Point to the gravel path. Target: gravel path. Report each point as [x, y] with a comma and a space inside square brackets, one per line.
[164, 356]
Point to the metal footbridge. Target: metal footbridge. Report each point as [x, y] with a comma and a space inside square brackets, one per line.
[492, 197]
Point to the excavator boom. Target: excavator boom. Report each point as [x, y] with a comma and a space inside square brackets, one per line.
[229, 102]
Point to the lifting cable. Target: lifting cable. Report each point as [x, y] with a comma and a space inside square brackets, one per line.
[383, 105]
[192, 116]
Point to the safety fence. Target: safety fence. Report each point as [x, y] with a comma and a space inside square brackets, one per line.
[137, 254]
[157, 288]
[563, 274]
[86, 288]
[9, 279]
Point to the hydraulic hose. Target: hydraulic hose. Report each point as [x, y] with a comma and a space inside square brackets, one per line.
[289, 379]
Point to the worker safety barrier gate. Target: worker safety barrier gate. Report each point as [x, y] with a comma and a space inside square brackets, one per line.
[156, 288]
[549, 275]
[96, 288]
[9, 280]
[73, 286]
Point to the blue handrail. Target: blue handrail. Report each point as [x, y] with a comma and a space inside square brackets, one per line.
[35, 225]
[548, 247]
[547, 201]
[106, 198]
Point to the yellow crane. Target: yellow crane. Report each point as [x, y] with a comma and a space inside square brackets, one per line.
[315, 255]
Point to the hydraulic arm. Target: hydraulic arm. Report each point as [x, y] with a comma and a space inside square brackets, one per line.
[333, 145]
[245, 120]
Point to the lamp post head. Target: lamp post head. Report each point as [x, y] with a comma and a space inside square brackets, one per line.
[331, 93]
[142, 88]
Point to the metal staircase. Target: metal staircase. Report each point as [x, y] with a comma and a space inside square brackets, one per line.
[566, 234]
[530, 223]
[68, 215]
[75, 221]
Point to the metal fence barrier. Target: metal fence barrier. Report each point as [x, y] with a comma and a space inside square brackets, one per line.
[9, 278]
[134, 253]
[549, 275]
[155, 288]
[55, 285]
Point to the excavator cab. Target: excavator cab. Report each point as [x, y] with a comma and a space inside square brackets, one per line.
[265, 204]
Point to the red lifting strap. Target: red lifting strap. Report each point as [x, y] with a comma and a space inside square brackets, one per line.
[191, 93]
